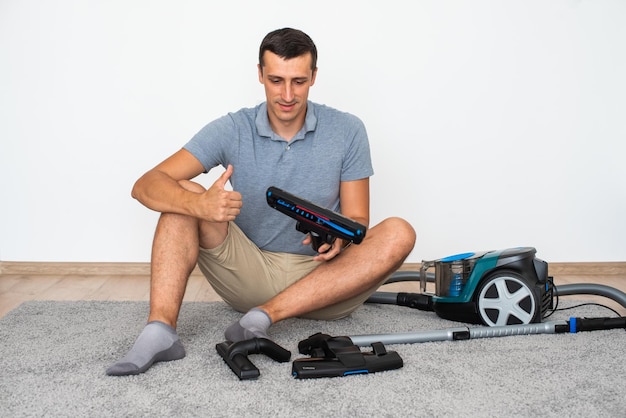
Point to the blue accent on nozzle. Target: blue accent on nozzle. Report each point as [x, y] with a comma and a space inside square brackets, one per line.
[356, 372]
[337, 227]
[572, 325]
[456, 257]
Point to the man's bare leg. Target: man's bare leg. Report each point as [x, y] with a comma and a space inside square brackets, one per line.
[358, 269]
[174, 255]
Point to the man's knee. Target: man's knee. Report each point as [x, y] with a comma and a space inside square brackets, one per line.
[396, 233]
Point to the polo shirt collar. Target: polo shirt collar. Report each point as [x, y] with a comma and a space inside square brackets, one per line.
[264, 128]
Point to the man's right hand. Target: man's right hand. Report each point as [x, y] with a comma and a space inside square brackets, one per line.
[218, 204]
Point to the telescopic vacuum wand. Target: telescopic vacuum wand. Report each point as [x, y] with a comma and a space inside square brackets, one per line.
[573, 325]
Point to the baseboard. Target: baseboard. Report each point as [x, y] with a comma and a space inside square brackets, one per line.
[133, 269]
[33, 268]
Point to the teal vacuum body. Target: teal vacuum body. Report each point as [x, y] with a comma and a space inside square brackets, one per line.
[503, 287]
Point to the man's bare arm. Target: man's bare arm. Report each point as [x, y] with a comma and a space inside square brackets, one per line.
[160, 189]
[355, 200]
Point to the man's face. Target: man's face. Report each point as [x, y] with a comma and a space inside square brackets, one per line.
[287, 84]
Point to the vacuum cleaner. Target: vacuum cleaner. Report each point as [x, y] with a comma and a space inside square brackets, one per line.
[508, 291]
[493, 288]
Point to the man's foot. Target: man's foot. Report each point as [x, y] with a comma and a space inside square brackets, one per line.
[157, 342]
[254, 324]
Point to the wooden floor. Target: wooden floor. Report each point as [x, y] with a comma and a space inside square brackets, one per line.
[16, 288]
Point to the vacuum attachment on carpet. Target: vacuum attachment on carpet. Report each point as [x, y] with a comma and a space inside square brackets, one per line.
[338, 356]
[236, 355]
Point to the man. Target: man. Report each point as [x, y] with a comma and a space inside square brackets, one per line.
[251, 254]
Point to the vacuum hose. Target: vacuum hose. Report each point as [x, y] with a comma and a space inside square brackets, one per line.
[591, 289]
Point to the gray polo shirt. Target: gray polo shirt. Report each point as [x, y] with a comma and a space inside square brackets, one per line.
[331, 147]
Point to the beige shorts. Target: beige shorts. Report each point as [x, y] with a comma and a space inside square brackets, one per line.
[245, 276]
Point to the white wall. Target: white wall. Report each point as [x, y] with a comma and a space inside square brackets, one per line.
[493, 124]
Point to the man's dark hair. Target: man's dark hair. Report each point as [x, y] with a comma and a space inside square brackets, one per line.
[288, 43]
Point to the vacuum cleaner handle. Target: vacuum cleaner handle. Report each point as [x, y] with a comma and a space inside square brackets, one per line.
[324, 225]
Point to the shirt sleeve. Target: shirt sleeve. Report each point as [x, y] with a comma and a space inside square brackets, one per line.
[357, 161]
[211, 143]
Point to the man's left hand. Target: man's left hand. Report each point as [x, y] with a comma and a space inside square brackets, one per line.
[326, 252]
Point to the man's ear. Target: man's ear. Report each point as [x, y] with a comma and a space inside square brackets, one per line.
[313, 76]
[260, 70]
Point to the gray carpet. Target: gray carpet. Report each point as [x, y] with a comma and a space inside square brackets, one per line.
[53, 356]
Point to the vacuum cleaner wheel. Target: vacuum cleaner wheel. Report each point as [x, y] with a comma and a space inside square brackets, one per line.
[505, 298]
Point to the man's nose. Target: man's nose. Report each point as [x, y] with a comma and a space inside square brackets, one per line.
[288, 92]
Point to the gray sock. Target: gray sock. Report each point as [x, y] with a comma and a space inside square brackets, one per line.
[157, 342]
[254, 324]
